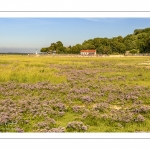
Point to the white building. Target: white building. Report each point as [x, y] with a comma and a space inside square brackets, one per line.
[88, 52]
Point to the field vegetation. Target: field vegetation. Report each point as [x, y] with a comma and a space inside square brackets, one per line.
[84, 94]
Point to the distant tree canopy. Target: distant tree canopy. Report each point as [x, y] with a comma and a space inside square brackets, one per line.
[139, 41]
[55, 47]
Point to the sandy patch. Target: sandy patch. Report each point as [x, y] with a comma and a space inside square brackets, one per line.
[115, 107]
[146, 63]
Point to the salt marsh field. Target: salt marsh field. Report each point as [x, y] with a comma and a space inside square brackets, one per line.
[74, 94]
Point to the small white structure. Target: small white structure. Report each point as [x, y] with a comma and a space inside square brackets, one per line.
[88, 52]
[36, 54]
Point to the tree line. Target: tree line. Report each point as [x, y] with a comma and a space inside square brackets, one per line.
[138, 42]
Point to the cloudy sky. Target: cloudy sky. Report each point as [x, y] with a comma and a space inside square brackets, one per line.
[29, 34]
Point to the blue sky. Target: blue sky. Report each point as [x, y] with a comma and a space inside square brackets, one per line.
[29, 34]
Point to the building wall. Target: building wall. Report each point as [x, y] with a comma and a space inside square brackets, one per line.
[87, 53]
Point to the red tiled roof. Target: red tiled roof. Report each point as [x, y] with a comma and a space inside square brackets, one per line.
[88, 50]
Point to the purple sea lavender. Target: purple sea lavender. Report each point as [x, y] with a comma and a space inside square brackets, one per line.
[76, 108]
[19, 130]
[76, 126]
[87, 98]
[139, 118]
[59, 129]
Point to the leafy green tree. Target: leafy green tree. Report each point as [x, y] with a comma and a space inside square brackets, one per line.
[91, 47]
[96, 42]
[120, 39]
[134, 51]
[76, 49]
[142, 42]
[59, 44]
[148, 45]
[84, 47]
[104, 50]
[137, 31]
[44, 49]
[130, 42]
[61, 50]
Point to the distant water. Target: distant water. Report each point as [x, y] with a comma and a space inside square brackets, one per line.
[18, 50]
[16, 53]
